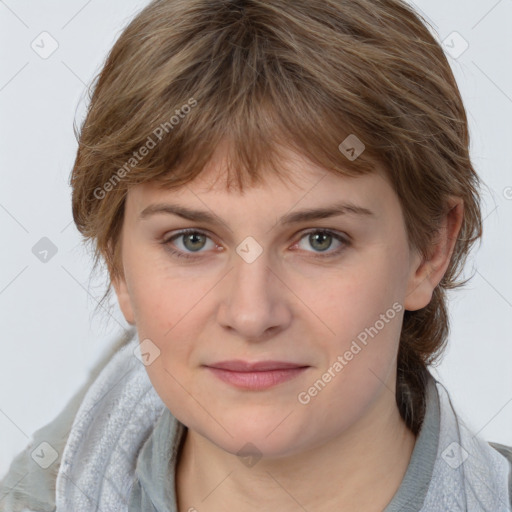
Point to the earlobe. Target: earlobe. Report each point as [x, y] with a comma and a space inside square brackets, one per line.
[426, 273]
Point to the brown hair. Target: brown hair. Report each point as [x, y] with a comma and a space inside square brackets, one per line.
[187, 75]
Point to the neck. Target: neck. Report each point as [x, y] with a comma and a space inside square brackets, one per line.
[360, 469]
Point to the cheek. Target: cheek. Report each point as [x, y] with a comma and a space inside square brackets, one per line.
[160, 294]
[360, 312]
[349, 299]
[171, 323]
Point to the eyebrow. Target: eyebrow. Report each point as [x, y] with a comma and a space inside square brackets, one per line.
[341, 208]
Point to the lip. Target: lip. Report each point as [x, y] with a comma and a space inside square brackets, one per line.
[239, 365]
[255, 376]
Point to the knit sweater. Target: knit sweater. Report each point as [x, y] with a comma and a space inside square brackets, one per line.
[117, 446]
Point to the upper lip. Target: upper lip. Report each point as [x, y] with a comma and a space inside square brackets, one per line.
[238, 365]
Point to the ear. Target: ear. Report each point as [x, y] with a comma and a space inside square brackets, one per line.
[121, 288]
[426, 273]
[123, 298]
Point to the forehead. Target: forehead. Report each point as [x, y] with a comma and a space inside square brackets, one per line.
[299, 180]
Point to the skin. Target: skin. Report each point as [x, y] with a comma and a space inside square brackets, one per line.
[348, 448]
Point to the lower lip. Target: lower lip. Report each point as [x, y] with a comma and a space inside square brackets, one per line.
[256, 380]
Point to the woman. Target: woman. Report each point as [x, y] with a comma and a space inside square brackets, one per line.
[316, 153]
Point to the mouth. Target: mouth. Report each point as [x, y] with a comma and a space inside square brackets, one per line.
[255, 376]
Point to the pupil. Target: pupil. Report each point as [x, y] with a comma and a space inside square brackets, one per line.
[193, 237]
[316, 236]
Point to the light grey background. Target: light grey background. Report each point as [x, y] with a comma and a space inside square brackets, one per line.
[50, 338]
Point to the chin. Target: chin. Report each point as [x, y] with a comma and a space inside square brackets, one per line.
[265, 438]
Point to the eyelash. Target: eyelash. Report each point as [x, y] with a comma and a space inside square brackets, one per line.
[179, 254]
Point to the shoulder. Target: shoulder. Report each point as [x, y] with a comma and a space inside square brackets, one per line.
[28, 485]
[506, 451]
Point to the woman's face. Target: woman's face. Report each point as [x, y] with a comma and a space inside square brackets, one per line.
[265, 278]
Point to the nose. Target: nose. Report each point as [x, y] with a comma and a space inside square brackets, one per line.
[255, 301]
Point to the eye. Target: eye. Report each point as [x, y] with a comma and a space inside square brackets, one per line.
[321, 240]
[192, 240]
